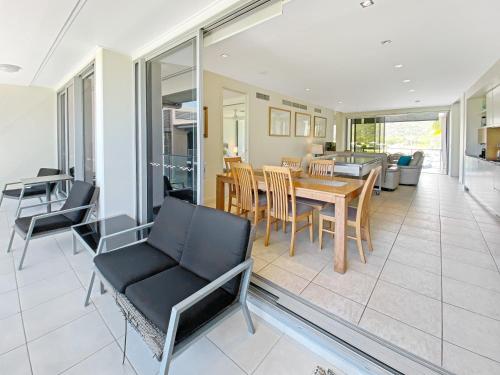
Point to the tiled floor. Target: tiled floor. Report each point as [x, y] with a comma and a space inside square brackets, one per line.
[431, 286]
[45, 330]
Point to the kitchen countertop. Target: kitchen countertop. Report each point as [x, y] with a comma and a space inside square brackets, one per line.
[495, 162]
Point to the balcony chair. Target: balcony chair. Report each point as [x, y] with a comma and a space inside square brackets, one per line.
[282, 204]
[184, 193]
[192, 270]
[357, 217]
[76, 209]
[36, 191]
[228, 160]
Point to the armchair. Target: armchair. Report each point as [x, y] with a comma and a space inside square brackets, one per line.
[409, 175]
[76, 208]
[192, 270]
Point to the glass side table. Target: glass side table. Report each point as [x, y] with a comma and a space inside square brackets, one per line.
[93, 235]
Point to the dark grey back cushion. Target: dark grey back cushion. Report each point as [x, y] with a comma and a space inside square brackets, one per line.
[171, 226]
[217, 241]
[80, 195]
[48, 172]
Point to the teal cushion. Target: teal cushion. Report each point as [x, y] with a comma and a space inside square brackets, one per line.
[404, 161]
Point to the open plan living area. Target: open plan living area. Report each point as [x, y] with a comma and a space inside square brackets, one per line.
[250, 187]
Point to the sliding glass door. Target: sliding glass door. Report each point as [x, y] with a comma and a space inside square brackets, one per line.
[66, 132]
[88, 128]
[172, 126]
[368, 134]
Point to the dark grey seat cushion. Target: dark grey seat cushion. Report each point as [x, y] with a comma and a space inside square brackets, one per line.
[155, 296]
[131, 264]
[217, 242]
[80, 195]
[32, 191]
[329, 210]
[43, 225]
[171, 226]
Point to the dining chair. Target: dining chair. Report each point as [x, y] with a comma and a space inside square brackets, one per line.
[228, 160]
[282, 204]
[291, 162]
[322, 167]
[247, 194]
[357, 217]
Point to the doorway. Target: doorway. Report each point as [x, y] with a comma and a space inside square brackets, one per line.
[234, 124]
[172, 126]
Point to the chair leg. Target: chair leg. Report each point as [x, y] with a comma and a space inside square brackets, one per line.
[268, 231]
[248, 317]
[73, 244]
[311, 227]
[89, 290]
[125, 342]
[360, 245]
[369, 238]
[25, 250]
[320, 232]
[292, 241]
[283, 224]
[1, 198]
[9, 248]
[276, 225]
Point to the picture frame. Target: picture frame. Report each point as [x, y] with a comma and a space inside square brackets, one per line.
[302, 124]
[279, 122]
[319, 127]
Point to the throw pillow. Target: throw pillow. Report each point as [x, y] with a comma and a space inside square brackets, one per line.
[404, 161]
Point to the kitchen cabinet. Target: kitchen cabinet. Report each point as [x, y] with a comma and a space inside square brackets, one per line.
[482, 179]
[496, 106]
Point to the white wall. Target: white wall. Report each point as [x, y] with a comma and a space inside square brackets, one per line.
[28, 131]
[115, 133]
[263, 149]
[454, 137]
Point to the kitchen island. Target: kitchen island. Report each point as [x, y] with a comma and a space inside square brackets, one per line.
[482, 180]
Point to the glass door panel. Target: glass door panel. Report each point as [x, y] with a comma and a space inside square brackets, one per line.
[88, 129]
[172, 126]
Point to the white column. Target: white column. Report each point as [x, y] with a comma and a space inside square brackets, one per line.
[115, 134]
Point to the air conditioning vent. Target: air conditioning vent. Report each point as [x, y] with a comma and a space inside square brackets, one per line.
[317, 110]
[262, 96]
[295, 105]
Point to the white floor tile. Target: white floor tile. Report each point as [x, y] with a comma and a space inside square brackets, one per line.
[15, 362]
[283, 278]
[73, 343]
[400, 334]
[9, 304]
[12, 333]
[463, 362]
[246, 350]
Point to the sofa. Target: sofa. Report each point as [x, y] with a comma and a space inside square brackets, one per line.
[410, 174]
[390, 173]
[194, 267]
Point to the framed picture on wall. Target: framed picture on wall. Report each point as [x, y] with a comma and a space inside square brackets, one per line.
[319, 127]
[302, 124]
[279, 122]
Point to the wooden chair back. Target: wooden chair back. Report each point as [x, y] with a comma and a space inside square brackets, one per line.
[366, 196]
[291, 162]
[322, 167]
[231, 159]
[247, 193]
[278, 184]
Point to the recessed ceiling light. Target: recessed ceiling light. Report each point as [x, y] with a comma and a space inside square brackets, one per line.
[386, 42]
[411, 90]
[224, 55]
[9, 68]
[398, 66]
[308, 89]
[367, 3]
[406, 80]
[340, 102]
[417, 101]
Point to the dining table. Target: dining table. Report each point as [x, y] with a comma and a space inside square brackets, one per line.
[337, 190]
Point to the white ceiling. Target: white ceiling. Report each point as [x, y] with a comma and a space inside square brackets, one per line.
[29, 28]
[333, 47]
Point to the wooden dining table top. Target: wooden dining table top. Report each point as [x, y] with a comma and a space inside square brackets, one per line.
[321, 186]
